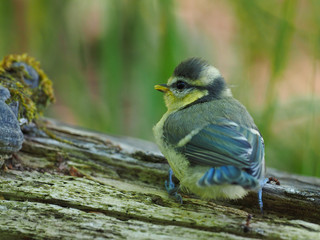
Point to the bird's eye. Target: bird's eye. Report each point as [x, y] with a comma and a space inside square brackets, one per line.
[181, 85]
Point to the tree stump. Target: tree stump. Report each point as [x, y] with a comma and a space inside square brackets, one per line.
[72, 183]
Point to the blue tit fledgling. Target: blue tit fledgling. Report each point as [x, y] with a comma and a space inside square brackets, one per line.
[209, 139]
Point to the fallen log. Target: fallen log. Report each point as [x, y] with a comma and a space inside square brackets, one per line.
[72, 183]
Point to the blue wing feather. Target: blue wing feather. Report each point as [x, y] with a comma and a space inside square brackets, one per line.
[223, 139]
[225, 143]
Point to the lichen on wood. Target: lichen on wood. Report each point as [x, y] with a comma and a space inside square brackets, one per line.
[27, 83]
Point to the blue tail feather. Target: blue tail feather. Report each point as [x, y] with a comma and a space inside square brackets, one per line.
[229, 175]
[209, 177]
[232, 175]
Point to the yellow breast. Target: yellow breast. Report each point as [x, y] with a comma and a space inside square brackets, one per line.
[177, 161]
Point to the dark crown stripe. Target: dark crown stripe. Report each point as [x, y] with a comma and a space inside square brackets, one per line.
[190, 68]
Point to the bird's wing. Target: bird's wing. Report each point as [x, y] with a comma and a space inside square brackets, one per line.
[223, 143]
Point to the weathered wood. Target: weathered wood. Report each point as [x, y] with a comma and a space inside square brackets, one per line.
[79, 184]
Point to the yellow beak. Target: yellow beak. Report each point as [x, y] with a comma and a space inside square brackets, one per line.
[161, 87]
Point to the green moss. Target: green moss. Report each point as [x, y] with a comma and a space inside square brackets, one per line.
[15, 76]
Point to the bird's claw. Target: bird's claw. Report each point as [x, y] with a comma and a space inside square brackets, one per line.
[178, 197]
[172, 189]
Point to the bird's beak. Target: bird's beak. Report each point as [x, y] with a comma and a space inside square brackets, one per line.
[161, 87]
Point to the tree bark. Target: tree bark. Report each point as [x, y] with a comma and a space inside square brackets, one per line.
[71, 183]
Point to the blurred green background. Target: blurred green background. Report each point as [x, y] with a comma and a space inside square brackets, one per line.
[105, 56]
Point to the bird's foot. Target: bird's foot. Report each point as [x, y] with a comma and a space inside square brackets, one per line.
[262, 183]
[171, 188]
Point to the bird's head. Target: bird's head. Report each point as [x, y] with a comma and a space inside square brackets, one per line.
[193, 81]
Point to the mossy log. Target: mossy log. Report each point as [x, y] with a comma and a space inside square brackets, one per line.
[71, 183]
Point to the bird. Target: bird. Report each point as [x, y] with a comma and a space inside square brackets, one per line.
[208, 137]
